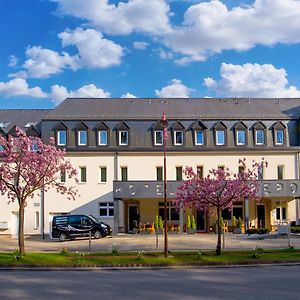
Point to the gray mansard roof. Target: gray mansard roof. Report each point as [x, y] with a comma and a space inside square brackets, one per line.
[184, 108]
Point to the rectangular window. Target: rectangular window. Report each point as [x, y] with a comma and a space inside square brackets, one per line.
[102, 138]
[63, 176]
[178, 138]
[172, 211]
[237, 211]
[124, 174]
[82, 137]
[123, 138]
[241, 169]
[82, 174]
[221, 168]
[278, 214]
[220, 137]
[103, 174]
[61, 137]
[226, 214]
[36, 220]
[199, 137]
[240, 137]
[159, 173]
[260, 173]
[178, 173]
[280, 172]
[200, 171]
[106, 209]
[279, 136]
[158, 138]
[259, 137]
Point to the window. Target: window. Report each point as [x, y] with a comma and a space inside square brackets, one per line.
[241, 170]
[36, 220]
[178, 173]
[172, 211]
[123, 138]
[280, 172]
[221, 168]
[34, 147]
[220, 137]
[281, 211]
[124, 174]
[158, 137]
[82, 137]
[61, 137]
[200, 171]
[237, 211]
[102, 137]
[199, 137]
[260, 173]
[106, 209]
[82, 174]
[63, 176]
[178, 138]
[259, 137]
[159, 173]
[226, 214]
[241, 137]
[103, 174]
[279, 137]
[29, 124]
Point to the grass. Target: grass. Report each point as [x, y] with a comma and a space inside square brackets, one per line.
[67, 259]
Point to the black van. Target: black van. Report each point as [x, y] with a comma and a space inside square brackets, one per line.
[71, 226]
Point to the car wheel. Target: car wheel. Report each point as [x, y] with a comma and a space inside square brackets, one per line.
[62, 237]
[97, 234]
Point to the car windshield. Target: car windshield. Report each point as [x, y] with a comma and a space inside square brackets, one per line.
[94, 219]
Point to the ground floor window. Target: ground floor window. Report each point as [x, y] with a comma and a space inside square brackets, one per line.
[106, 209]
[281, 211]
[237, 211]
[172, 211]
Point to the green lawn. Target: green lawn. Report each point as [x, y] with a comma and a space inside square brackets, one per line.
[66, 258]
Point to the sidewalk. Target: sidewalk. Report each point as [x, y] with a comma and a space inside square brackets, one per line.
[147, 242]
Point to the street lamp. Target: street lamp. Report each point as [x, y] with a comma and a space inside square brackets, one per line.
[164, 124]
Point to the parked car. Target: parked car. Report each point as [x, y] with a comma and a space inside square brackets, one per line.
[71, 226]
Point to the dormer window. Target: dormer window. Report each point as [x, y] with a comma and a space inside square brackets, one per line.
[61, 137]
[102, 137]
[178, 138]
[158, 137]
[220, 134]
[82, 137]
[240, 137]
[279, 136]
[220, 137]
[199, 137]
[259, 137]
[123, 138]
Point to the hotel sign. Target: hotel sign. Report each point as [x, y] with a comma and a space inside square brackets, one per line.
[155, 189]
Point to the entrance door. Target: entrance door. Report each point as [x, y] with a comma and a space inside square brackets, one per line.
[201, 221]
[133, 216]
[261, 219]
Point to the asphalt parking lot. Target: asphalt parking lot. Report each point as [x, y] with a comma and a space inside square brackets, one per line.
[149, 242]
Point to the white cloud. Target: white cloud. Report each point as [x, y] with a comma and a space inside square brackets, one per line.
[60, 93]
[13, 61]
[19, 87]
[165, 54]
[252, 80]
[94, 51]
[121, 18]
[210, 27]
[140, 45]
[128, 95]
[175, 90]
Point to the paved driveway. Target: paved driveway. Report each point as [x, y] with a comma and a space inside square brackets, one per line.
[147, 243]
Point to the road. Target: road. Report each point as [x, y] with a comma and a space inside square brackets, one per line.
[267, 282]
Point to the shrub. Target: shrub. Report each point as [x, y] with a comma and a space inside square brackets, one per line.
[194, 223]
[188, 222]
[156, 222]
[257, 231]
[239, 223]
[233, 221]
[295, 229]
[160, 223]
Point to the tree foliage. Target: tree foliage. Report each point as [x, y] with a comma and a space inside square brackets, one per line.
[26, 166]
[219, 190]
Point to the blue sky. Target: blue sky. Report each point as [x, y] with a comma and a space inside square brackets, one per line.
[53, 49]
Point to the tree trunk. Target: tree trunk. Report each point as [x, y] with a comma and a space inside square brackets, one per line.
[21, 228]
[218, 250]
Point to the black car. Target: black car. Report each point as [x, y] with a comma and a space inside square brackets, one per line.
[71, 226]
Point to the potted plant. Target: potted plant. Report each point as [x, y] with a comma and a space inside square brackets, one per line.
[239, 224]
[191, 225]
[233, 223]
[158, 225]
[188, 224]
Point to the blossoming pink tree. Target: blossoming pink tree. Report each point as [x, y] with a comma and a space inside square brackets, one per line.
[26, 166]
[219, 190]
